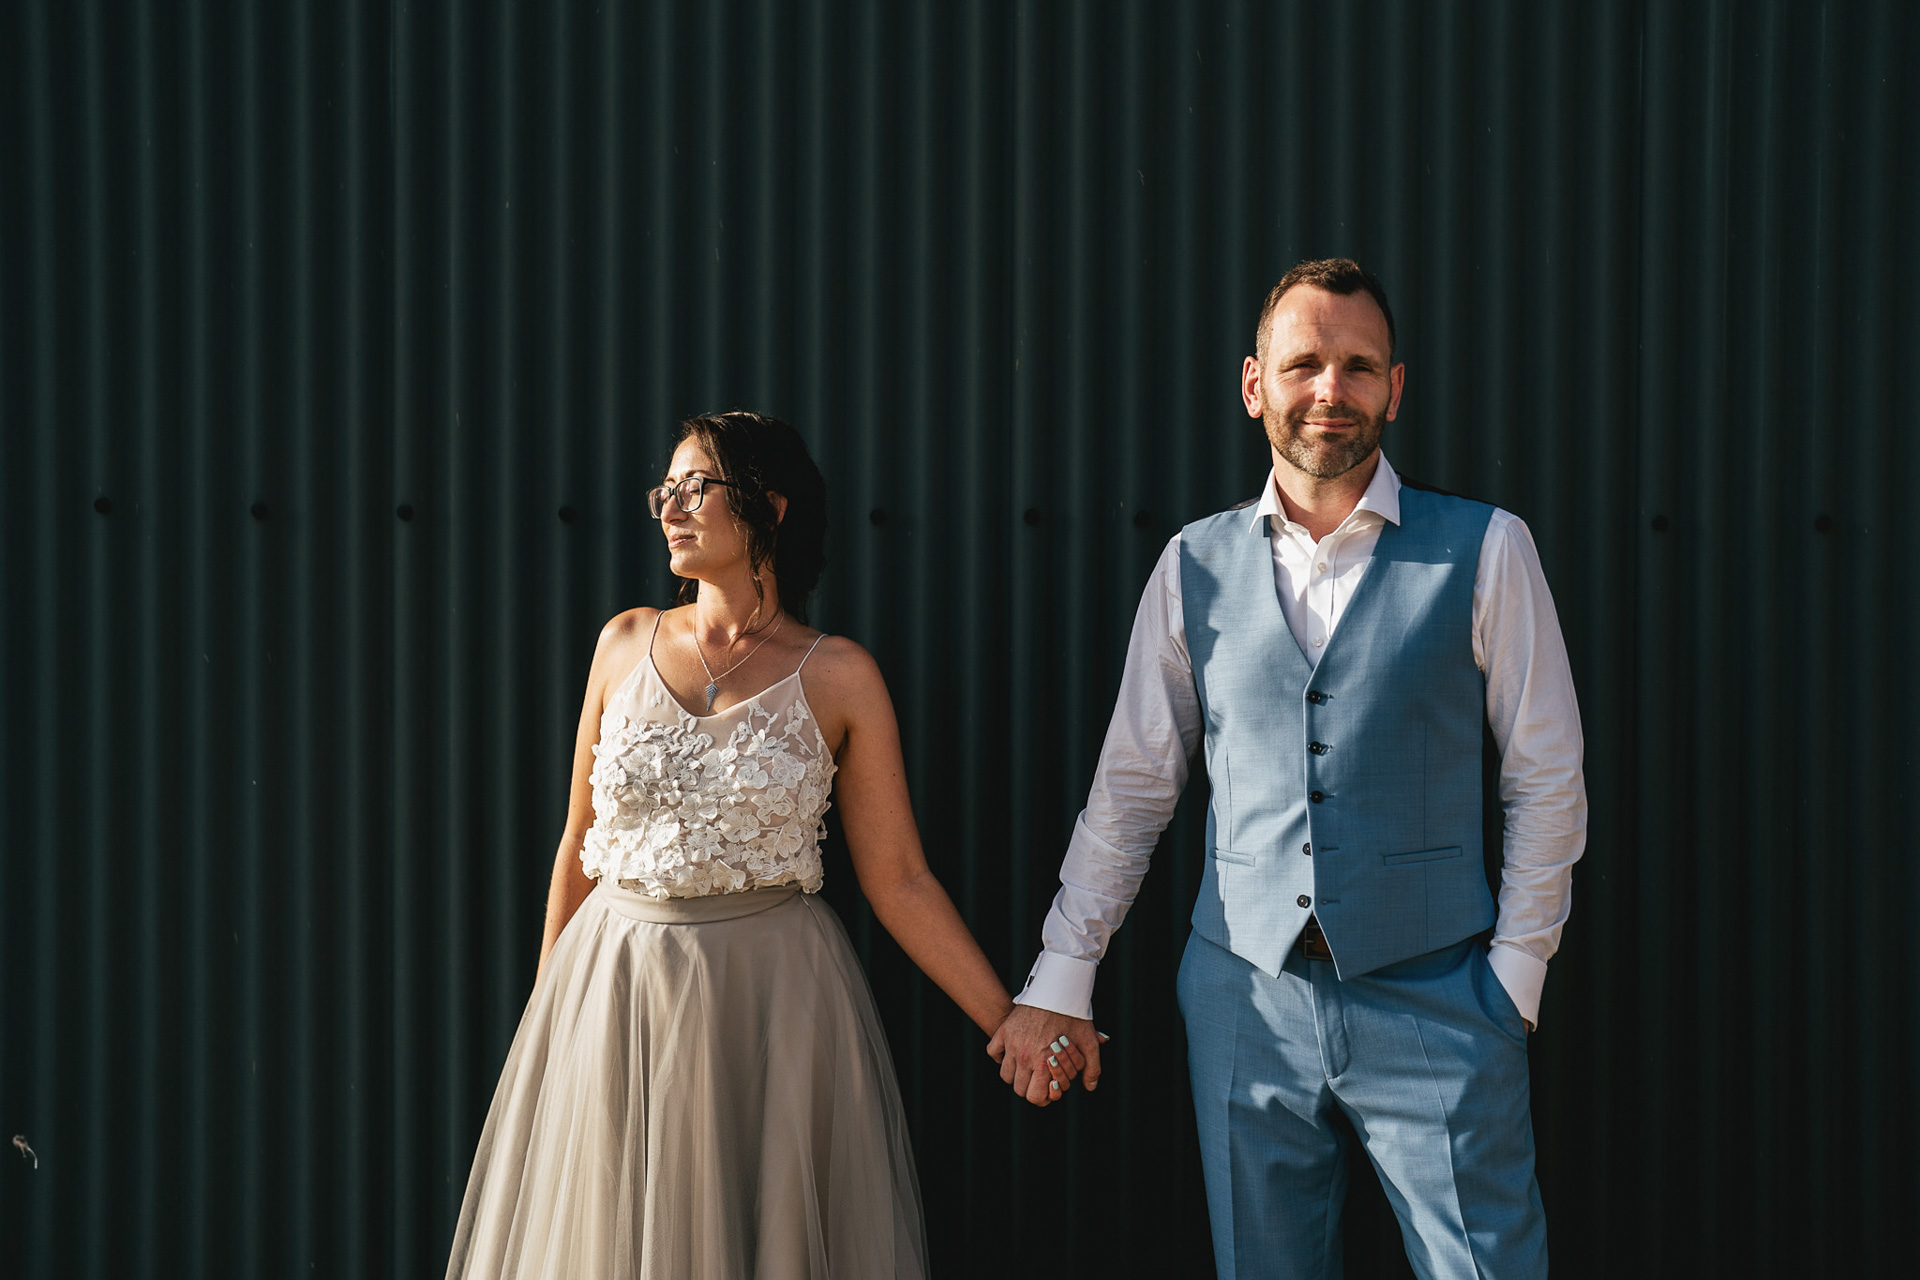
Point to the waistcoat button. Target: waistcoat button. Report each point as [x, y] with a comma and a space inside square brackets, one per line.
[1304, 900]
[1307, 848]
[1318, 748]
[1315, 696]
[1316, 796]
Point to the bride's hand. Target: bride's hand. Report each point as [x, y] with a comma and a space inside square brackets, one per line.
[1041, 1052]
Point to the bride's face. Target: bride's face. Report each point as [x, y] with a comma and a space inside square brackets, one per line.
[708, 541]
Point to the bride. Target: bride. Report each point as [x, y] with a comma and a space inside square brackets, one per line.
[700, 1086]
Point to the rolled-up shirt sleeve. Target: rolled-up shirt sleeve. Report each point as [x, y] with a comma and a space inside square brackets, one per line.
[1143, 769]
[1535, 721]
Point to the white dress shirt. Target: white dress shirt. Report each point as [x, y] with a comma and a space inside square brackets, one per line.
[1157, 726]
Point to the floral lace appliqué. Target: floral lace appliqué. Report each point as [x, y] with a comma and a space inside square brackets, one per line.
[679, 813]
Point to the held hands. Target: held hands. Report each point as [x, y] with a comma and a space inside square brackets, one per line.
[1034, 1061]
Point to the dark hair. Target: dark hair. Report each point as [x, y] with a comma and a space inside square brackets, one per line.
[1335, 275]
[759, 455]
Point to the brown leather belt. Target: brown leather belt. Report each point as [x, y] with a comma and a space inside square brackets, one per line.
[1313, 943]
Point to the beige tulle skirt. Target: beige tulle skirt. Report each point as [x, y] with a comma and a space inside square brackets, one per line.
[699, 1090]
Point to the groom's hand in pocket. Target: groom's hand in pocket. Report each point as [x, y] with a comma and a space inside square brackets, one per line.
[1024, 1046]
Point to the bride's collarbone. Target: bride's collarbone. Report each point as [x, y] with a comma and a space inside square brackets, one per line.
[734, 677]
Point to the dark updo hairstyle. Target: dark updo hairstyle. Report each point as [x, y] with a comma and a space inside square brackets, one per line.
[759, 456]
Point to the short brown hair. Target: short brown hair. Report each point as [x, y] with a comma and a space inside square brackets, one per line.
[1343, 276]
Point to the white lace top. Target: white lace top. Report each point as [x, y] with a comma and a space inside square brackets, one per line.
[686, 805]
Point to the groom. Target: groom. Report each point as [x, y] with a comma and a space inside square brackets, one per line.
[1339, 642]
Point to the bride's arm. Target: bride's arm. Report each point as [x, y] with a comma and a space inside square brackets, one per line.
[877, 817]
[621, 644]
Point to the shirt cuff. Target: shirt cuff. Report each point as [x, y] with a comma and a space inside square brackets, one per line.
[1522, 975]
[1060, 983]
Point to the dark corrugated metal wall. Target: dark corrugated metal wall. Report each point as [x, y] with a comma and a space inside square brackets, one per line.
[338, 341]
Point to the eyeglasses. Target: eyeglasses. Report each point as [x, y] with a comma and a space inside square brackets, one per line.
[687, 495]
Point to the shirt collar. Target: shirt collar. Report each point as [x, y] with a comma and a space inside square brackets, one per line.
[1382, 497]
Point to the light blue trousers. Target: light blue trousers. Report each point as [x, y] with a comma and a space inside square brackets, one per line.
[1427, 1061]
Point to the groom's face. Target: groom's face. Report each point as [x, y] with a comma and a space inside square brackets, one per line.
[1323, 383]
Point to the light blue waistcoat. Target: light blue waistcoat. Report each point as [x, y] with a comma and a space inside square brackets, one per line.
[1351, 791]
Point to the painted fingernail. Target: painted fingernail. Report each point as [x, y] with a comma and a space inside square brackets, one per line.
[1052, 1061]
[1054, 1085]
[1064, 1042]
[1104, 1037]
[1054, 1045]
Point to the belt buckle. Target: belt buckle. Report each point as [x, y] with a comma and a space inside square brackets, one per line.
[1313, 943]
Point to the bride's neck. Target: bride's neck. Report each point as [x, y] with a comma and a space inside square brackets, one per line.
[734, 609]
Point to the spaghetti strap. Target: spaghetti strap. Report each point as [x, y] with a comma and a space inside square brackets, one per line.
[656, 631]
[810, 648]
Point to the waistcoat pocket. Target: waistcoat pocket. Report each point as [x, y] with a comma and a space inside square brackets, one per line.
[1420, 855]
[1241, 859]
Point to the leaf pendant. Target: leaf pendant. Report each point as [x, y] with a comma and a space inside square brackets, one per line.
[713, 691]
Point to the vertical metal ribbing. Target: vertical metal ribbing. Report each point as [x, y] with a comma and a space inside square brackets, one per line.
[94, 754]
[923, 311]
[867, 613]
[1573, 444]
[366, 514]
[1124, 491]
[1710, 701]
[1658, 330]
[150, 828]
[16, 648]
[1683, 308]
[516, 505]
[705, 103]
[250, 942]
[1508, 245]
[975, 617]
[542, 748]
[1187, 386]
[1446, 292]
[1239, 265]
[814, 216]
[1070, 544]
[48, 504]
[1026, 574]
[294, 504]
[613, 418]
[662, 313]
[455, 428]
[1389, 220]
[1756, 511]
[199, 722]
[762, 279]
[408, 889]
[1881, 609]
[1823, 542]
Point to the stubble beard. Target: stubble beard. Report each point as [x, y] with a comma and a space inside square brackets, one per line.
[1327, 458]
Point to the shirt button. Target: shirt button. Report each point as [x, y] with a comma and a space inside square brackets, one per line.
[1304, 900]
[1306, 848]
[1316, 796]
[1318, 641]
[1322, 566]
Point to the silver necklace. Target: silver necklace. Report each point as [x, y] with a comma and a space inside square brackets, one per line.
[713, 681]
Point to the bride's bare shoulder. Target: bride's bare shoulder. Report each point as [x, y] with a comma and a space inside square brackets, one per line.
[841, 671]
[624, 626]
[624, 639]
